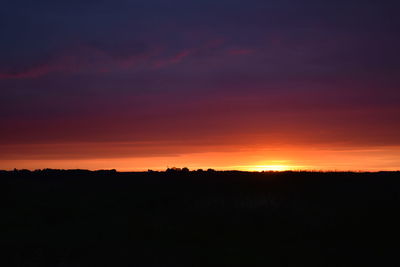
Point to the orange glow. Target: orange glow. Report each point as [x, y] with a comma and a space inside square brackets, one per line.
[121, 157]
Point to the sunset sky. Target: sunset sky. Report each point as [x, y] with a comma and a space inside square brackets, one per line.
[228, 84]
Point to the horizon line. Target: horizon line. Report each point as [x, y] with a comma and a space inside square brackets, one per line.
[186, 170]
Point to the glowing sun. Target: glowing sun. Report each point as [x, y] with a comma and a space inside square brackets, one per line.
[269, 168]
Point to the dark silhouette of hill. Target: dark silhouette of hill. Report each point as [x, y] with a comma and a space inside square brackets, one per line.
[202, 218]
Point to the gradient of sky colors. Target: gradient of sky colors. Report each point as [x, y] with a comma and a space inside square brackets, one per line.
[251, 85]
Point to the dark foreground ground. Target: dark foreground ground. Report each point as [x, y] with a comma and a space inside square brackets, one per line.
[77, 218]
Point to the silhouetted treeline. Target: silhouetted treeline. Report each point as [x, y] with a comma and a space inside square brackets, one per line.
[199, 218]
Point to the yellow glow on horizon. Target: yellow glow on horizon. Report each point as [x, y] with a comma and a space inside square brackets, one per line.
[279, 166]
[268, 168]
[270, 165]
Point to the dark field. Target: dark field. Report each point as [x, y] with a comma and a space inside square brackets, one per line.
[79, 218]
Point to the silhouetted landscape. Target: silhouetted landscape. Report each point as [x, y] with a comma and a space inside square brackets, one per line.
[199, 218]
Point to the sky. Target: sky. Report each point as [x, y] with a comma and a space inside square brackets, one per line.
[247, 85]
